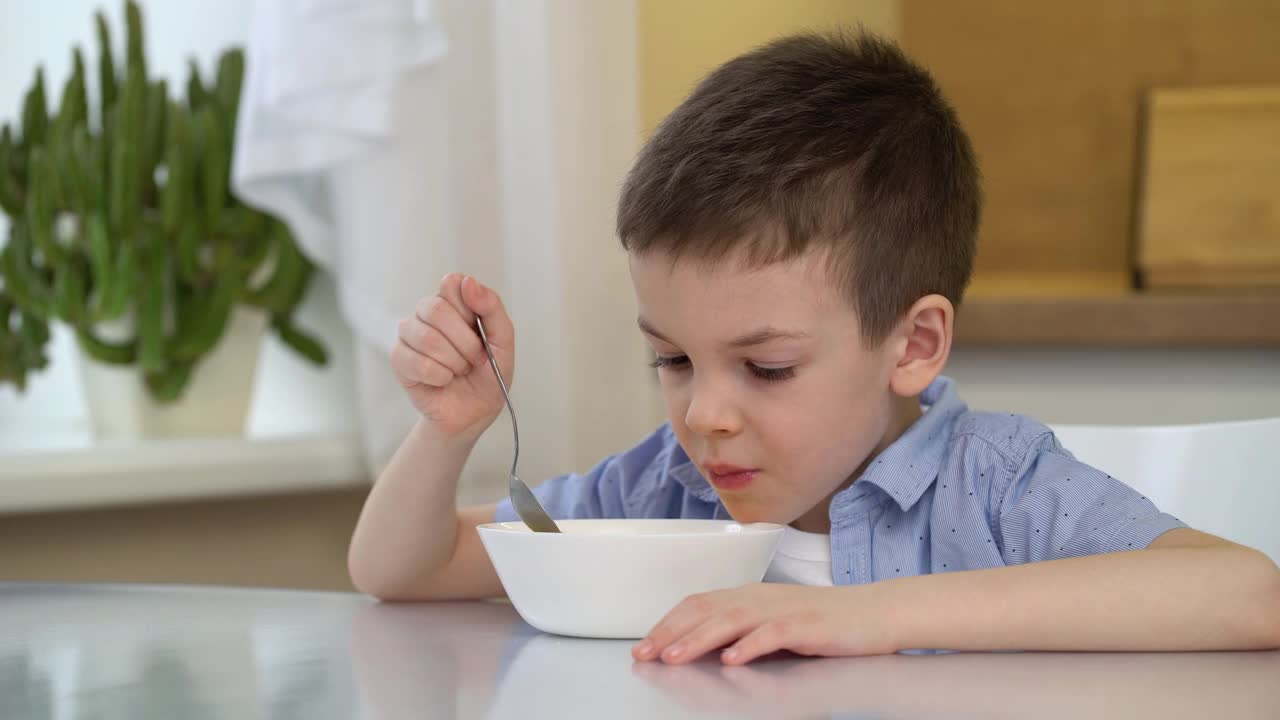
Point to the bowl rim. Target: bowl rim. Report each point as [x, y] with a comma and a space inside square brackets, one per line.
[750, 528]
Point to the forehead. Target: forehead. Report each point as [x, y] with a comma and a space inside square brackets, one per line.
[733, 293]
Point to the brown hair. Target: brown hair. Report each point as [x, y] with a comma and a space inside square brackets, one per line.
[837, 142]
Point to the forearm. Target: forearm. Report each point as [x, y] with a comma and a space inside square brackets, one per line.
[408, 526]
[1185, 598]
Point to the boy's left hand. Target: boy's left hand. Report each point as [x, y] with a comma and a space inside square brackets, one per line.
[758, 619]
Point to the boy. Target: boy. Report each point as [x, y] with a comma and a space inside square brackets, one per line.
[800, 231]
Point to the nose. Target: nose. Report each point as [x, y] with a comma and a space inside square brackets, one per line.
[712, 411]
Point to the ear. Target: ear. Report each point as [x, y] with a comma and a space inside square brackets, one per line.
[923, 337]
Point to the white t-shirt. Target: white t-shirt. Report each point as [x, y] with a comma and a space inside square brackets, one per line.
[802, 558]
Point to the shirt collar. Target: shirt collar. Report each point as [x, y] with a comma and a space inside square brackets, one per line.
[903, 470]
[906, 468]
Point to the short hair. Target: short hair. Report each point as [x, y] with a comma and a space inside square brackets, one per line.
[835, 141]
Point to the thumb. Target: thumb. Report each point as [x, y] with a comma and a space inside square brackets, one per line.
[486, 303]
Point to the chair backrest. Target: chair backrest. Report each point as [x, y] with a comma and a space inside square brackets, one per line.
[1222, 478]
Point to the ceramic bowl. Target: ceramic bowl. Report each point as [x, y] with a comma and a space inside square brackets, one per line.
[618, 578]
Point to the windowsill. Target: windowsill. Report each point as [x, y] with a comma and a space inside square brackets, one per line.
[172, 470]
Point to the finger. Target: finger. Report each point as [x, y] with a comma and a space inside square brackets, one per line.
[430, 342]
[765, 638]
[717, 631]
[413, 368]
[486, 303]
[451, 291]
[439, 313]
[684, 617]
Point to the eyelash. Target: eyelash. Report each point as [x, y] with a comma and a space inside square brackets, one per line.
[681, 362]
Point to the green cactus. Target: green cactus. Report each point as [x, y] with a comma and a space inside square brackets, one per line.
[123, 210]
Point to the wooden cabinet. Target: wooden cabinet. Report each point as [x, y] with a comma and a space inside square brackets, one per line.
[1093, 208]
[1209, 205]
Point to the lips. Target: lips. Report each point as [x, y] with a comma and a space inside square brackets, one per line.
[729, 477]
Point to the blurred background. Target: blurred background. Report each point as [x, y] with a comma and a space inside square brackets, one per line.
[209, 405]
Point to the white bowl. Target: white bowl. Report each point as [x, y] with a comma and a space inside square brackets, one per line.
[618, 578]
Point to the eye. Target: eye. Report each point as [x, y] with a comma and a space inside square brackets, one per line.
[769, 374]
[670, 362]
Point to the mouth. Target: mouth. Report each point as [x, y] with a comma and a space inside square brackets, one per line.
[729, 477]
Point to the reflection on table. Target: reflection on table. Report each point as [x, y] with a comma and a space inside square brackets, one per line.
[69, 651]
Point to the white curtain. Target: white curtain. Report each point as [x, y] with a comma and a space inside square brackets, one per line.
[403, 139]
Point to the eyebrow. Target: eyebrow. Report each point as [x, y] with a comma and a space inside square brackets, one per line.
[755, 337]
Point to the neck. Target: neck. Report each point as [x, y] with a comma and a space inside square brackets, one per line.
[906, 410]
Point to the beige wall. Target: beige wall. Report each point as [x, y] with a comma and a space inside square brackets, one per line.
[296, 541]
[681, 41]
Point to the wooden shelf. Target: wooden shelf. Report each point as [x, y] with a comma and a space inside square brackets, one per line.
[1004, 283]
[1129, 320]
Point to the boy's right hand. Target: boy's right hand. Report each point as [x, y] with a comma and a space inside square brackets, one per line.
[442, 364]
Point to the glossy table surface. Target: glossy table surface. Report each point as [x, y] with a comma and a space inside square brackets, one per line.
[120, 651]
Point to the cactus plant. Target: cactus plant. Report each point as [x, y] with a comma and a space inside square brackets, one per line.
[123, 212]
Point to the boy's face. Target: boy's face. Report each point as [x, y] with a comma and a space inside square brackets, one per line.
[767, 382]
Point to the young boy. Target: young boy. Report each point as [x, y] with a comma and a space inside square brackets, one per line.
[800, 231]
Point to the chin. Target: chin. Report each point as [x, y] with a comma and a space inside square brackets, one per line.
[753, 514]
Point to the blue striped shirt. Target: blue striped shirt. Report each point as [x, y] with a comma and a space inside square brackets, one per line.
[959, 490]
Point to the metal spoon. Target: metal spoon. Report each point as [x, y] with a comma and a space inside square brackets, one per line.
[522, 498]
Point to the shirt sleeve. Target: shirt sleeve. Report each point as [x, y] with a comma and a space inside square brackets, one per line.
[1056, 507]
[608, 490]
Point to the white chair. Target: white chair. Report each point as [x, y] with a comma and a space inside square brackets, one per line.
[1221, 478]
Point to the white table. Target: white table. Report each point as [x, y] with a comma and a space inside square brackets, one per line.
[132, 652]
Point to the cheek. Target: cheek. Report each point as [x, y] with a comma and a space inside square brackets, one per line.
[831, 433]
[676, 399]
[864, 424]
[818, 411]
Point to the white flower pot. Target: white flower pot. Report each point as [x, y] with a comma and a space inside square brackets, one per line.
[215, 402]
